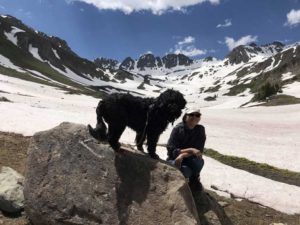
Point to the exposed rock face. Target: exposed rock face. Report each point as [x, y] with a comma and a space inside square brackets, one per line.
[106, 63]
[238, 55]
[152, 62]
[127, 64]
[11, 190]
[172, 60]
[244, 53]
[147, 60]
[159, 62]
[184, 60]
[123, 75]
[275, 47]
[71, 179]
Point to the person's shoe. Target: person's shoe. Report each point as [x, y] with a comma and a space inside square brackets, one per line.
[195, 185]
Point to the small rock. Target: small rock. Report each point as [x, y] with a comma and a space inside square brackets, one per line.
[223, 204]
[3, 99]
[248, 213]
[11, 190]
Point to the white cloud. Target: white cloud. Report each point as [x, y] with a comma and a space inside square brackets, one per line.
[190, 51]
[293, 18]
[231, 43]
[187, 47]
[157, 7]
[227, 23]
[187, 40]
[148, 52]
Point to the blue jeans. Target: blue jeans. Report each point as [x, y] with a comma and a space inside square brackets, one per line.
[190, 167]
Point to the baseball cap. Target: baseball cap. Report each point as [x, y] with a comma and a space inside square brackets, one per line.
[192, 110]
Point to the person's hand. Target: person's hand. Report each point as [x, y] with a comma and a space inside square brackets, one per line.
[197, 153]
[178, 161]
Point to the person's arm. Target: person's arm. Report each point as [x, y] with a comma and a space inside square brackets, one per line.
[174, 143]
[189, 151]
[180, 157]
[201, 138]
[184, 153]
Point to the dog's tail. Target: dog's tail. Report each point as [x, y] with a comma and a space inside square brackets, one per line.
[100, 131]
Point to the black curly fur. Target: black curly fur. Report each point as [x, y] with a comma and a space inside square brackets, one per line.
[121, 110]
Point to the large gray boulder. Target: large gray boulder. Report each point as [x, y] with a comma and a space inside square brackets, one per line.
[11, 190]
[72, 179]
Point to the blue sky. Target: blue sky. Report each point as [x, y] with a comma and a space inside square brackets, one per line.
[198, 28]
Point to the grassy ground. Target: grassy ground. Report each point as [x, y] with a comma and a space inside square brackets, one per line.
[13, 153]
[281, 100]
[260, 169]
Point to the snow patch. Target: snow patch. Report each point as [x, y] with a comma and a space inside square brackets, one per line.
[55, 53]
[292, 89]
[281, 196]
[11, 36]
[286, 76]
[35, 52]
[8, 64]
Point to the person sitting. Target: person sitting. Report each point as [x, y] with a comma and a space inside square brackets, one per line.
[185, 147]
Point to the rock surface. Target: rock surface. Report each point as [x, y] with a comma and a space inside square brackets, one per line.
[11, 190]
[127, 64]
[72, 179]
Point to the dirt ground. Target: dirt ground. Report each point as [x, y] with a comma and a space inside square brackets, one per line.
[13, 153]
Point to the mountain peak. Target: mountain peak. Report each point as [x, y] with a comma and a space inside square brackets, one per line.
[243, 53]
[172, 60]
[148, 61]
[127, 64]
[106, 63]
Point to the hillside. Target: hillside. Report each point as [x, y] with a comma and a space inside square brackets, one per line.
[248, 75]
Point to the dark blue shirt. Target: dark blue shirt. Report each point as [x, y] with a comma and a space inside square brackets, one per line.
[182, 137]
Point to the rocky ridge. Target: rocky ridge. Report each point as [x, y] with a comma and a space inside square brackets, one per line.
[244, 53]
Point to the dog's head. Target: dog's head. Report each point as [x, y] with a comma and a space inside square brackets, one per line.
[171, 103]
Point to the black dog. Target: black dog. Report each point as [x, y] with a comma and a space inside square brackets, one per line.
[149, 117]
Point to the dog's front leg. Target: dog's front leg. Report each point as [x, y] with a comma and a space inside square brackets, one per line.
[152, 140]
[114, 134]
[139, 140]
